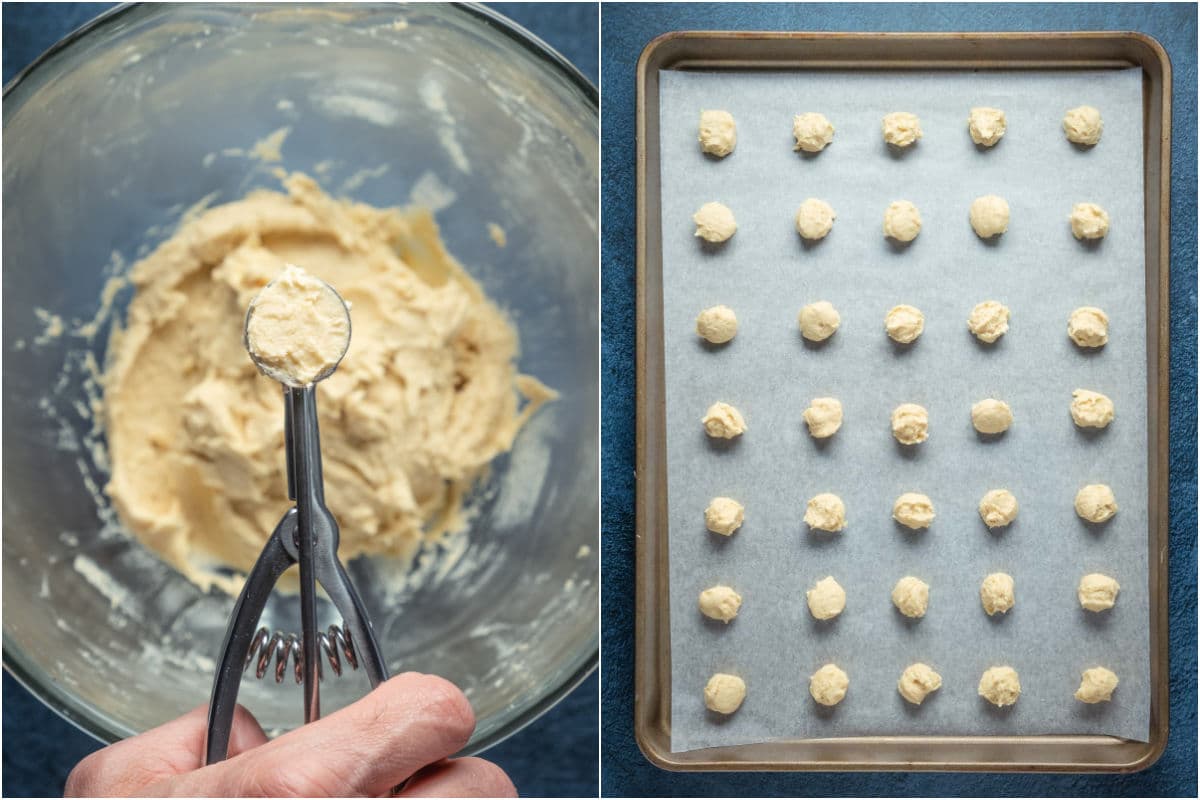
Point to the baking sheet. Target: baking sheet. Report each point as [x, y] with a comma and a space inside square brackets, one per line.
[1038, 269]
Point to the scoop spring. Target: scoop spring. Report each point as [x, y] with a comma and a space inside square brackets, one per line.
[281, 646]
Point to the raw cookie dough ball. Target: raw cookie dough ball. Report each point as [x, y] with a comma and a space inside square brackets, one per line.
[819, 320]
[1000, 686]
[813, 132]
[824, 417]
[998, 508]
[1088, 327]
[814, 219]
[720, 603]
[996, 593]
[1096, 503]
[1091, 409]
[714, 223]
[910, 423]
[1089, 221]
[987, 125]
[913, 510]
[827, 599]
[718, 133]
[724, 693]
[1083, 125]
[723, 421]
[724, 515]
[1096, 686]
[989, 215]
[717, 324]
[902, 221]
[826, 512]
[991, 416]
[828, 685]
[1097, 592]
[901, 129]
[910, 596]
[904, 324]
[988, 321]
[917, 682]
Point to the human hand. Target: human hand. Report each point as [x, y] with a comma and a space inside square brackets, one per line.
[404, 730]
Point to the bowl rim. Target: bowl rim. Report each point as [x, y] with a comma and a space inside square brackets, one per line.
[90, 719]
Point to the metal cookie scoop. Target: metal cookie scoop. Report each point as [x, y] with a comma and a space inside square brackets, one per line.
[306, 535]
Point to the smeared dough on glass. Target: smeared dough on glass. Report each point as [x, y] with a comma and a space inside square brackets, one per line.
[1088, 327]
[1097, 592]
[1096, 685]
[818, 321]
[826, 599]
[991, 416]
[724, 693]
[718, 132]
[902, 221]
[904, 323]
[724, 515]
[1000, 686]
[910, 596]
[989, 215]
[828, 685]
[901, 129]
[986, 125]
[714, 223]
[1096, 503]
[917, 682]
[1083, 125]
[823, 417]
[814, 219]
[813, 132]
[998, 508]
[997, 593]
[988, 321]
[1089, 221]
[723, 421]
[717, 324]
[720, 603]
[913, 510]
[910, 423]
[826, 512]
[1091, 409]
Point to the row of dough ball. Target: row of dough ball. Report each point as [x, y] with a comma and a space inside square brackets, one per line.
[910, 421]
[989, 216]
[814, 132]
[1096, 592]
[1000, 686]
[1087, 326]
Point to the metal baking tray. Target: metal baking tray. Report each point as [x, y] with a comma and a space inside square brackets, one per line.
[950, 51]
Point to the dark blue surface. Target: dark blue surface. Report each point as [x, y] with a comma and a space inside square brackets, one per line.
[557, 754]
[626, 29]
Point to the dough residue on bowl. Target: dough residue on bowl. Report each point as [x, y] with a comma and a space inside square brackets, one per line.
[427, 396]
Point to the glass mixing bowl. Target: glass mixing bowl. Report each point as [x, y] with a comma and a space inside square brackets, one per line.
[108, 139]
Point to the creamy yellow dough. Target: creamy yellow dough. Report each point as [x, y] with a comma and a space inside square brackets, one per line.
[297, 329]
[427, 395]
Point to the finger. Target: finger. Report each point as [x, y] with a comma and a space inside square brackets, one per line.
[363, 749]
[170, 749]
[462, 777]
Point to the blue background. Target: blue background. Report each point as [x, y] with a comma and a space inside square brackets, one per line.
[626, 30]
[557, 754]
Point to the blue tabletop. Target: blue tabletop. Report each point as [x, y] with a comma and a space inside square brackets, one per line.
[627, 28]
[557, 754]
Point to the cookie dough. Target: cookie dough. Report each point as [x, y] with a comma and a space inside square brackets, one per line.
[720, 603]
[986, 125]
[904, 324]
[723, 421]
[826, 512]
[1091, 409]
[718, 133]
[1097, 592]
[818, 321]
[989, 215]
[724, 515]
[724, 693]
[1096, 503]
[913, 510]
[910, 596]
[901, 221]
[828, 685]
[917, 682]
[1088, 327]
[997, 593]
[827, 599]
[1096, 686]
[714, 223]
[297, 328]
[991, 416]
[717, 325]
[988, 321]
[998, 508]
[427, 395]
[910, 423]
[824, 417]
[814, 219]
[1089, 221]
[1083, 125]
[901, 129]
[813, 132]
[1000, 686]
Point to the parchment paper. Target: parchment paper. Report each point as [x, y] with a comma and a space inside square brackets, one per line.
[1038, 269]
